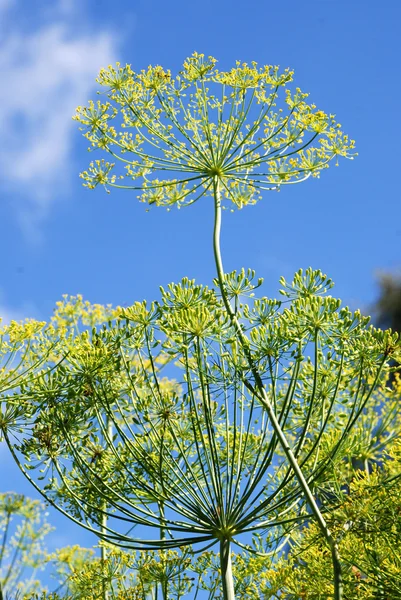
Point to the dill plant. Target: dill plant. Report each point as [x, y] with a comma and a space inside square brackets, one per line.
[23, 527]
[201, 419]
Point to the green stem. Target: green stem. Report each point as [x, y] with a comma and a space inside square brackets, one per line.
[103, 550]
[164, 584]
[103, 557]
[18, 551]
[226, 570]
[259, 390]
[3, 546]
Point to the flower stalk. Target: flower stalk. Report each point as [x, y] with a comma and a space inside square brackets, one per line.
[103, 549]
[227, 578]
[259, 390]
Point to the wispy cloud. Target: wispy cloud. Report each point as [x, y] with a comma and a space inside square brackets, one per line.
[5, 5]
[10, 313]
[47, 73]
[7, 315]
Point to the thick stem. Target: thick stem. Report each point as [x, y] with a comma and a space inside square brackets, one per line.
[226, 570]
[259, 390]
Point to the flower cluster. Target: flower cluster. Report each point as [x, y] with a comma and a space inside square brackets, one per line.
[243, 129]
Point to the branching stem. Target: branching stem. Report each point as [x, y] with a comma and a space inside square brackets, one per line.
[258, 389]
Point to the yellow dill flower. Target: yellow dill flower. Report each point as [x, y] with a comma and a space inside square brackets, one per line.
[241, 128]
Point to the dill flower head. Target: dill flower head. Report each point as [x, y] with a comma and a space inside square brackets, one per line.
[171, 138]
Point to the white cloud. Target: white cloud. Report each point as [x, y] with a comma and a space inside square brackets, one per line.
[5, 5]
[45, 75]
[67, 7]
[8, 313]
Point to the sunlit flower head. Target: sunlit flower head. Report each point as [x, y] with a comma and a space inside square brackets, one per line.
[172, 138]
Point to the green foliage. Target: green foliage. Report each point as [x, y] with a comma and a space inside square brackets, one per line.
[199, 443]
[365, 491]
[24, 555]
[23, 527]
[170, 432]
[209, 417]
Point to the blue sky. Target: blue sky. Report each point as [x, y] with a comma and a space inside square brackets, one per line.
[59, 238]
